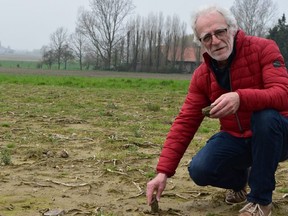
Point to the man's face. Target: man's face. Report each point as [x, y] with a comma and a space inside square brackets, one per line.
[214, 34]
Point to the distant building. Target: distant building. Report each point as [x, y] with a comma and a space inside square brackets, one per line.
[5, 50]
[188, 59]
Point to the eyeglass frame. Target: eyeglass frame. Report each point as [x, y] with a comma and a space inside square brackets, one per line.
[223, 30]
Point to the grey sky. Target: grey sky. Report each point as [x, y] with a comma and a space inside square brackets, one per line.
[28, 24]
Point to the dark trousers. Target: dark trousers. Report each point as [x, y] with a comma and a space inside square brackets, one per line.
[225, 160]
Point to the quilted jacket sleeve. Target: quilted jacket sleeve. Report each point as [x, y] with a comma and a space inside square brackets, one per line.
[183, 129]
[274, 76]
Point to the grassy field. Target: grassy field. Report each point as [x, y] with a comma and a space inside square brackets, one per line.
[33, 64]
[132, 84]
[88, 146]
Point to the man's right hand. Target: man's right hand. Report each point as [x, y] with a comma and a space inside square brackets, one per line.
[157, 184]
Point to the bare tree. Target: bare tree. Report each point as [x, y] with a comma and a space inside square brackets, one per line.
[168, 39]
[58, 42]
[67, 54]
[254, 16]
[183, 43]
[151, 37]
[176, 31]
[152, 42]
[142, 47]
[122, 51]
[158, 41]
[103, 25]
[128, 47]
[48, 57]
[91, 58]
[136, 41]
[77, 44]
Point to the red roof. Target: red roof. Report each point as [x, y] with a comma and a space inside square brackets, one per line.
[189, 55]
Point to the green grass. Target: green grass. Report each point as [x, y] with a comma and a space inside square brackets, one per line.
[151, 85]
[138, 108]
[5, 156]
[72, 65]
[18, 64]
[134, 109]
[283, 190]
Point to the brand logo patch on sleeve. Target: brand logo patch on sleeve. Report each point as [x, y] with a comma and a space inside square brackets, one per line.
[277, 63]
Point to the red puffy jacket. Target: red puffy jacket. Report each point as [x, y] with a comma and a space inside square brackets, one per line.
[257, 74]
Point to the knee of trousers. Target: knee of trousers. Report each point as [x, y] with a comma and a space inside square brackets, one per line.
[200, 174]
[260, 118]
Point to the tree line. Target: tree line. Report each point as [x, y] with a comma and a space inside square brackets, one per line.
[108, 37]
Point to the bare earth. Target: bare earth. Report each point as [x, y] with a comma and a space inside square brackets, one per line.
[83, 184]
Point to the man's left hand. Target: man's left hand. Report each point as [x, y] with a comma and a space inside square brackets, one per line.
[225, 105]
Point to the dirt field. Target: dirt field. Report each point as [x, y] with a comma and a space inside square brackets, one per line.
[59, 163]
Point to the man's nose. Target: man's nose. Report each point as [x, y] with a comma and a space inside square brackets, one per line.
[215, 40]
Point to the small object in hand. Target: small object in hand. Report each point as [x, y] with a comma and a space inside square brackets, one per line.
[206, 110]
[154, 205]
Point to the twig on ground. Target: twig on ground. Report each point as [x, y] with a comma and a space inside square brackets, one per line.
[197, 193]
[175, 195]
[137, 195]
[117, 172]
[71, 185]
[138, 187]
[78, 211]
[35, 184]
[141, 145]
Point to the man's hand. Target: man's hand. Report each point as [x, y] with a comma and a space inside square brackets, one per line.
[157, 184]
[225, 105]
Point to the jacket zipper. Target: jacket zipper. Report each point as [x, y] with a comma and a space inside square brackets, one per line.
[236, 114]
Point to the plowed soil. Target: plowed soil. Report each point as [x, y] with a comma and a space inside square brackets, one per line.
[84, 161]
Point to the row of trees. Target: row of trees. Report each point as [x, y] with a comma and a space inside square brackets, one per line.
[107, 37]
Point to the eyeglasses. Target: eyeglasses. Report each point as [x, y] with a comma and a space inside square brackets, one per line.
[220, 34]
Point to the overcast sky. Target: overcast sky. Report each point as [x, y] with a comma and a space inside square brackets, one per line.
[28, 24]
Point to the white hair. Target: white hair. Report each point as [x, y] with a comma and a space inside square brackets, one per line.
[227, 14]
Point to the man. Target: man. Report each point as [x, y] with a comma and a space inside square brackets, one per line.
[245, 82]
